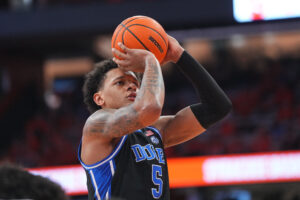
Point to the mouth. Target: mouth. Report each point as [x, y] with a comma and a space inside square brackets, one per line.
[131, 96]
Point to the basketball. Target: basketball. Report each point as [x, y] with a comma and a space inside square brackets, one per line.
[141, 32]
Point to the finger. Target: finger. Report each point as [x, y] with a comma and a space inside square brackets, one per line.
[121, 63]
[124, 69]
[118, 53]
[123, 47]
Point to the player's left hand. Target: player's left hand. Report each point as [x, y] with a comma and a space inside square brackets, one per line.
[174, 51]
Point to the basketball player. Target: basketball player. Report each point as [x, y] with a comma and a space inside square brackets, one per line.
[122, 147]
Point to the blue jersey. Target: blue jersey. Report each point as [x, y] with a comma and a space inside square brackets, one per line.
[135, 170]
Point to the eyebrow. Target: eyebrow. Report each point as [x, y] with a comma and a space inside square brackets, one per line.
[121, 77]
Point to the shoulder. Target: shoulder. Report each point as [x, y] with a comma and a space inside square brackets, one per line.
[99, 115]
[96, 121]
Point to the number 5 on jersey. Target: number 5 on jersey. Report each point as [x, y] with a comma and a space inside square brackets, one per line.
[156, 179]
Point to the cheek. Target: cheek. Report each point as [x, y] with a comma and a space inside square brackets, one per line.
[114, 94]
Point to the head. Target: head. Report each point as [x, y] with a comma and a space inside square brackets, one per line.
[107, 86]
[17, 183]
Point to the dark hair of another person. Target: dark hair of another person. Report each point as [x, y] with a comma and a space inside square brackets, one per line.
[17, 183]
[94, 81]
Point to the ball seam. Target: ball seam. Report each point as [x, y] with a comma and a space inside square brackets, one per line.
[134, 36]
[152, 30]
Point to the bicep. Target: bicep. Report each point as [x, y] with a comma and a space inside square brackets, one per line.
[179, 128]
[113, 123]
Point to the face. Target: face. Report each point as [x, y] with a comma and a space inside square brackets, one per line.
[119, 89]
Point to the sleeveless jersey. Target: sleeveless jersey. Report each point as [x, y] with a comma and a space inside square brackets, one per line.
[135, 170]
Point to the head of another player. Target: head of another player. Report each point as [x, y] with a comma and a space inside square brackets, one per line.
[107, 86]
[18, 183]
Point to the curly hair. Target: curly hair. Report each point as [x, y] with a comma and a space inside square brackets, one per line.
[17, 183]
[94, 81]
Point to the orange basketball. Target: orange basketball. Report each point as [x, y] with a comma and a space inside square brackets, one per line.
[141, 32]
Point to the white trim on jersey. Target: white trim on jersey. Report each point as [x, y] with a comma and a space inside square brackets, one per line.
[112, 167]
[95, 185]
[106, 196]
[108, 158]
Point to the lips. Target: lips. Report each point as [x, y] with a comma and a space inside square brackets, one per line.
[131, 96]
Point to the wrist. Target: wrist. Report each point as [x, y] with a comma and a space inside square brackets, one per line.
[150, 56]
[178, 53]
[150, 59]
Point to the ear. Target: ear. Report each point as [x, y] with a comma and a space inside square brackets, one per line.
[98, 98]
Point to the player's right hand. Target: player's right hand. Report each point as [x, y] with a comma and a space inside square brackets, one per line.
[132, 59]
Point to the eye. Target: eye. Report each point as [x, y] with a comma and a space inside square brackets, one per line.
[120, 83]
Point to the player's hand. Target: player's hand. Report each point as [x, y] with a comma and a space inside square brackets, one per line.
[174, 51]
[131, 59]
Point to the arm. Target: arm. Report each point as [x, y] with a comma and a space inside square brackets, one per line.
[146, 108]
[104, 128]
[195, 119]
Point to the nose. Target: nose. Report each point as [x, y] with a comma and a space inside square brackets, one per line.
[132, 86]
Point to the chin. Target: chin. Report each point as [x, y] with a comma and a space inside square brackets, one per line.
[129, 102]
[124, 104]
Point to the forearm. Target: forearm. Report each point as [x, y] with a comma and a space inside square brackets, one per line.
[152, 90]
[214, 102]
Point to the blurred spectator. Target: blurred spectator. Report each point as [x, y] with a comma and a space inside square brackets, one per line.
[17, 183]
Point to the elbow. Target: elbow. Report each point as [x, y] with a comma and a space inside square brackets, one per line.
[225, 109]
[221, 111]
[153, 113]
[228, 107]
[150, 113]
[209, 115]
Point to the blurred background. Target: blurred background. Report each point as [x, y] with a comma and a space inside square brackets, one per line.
[251, 48]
